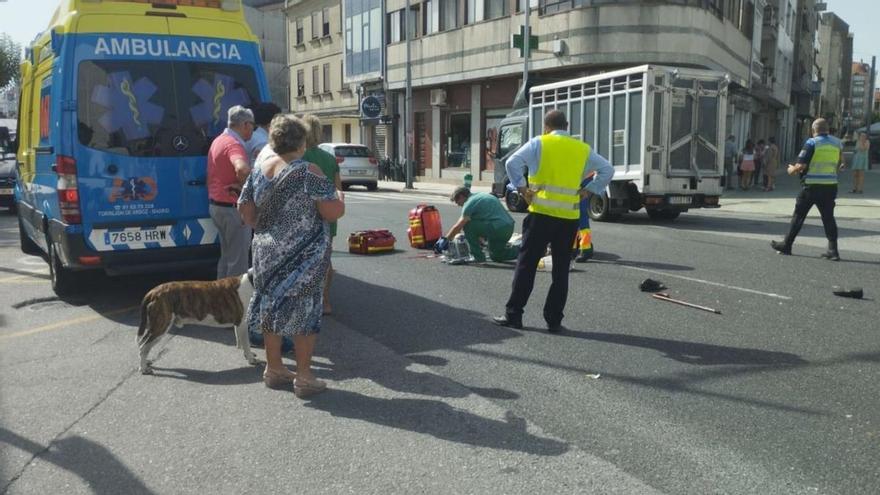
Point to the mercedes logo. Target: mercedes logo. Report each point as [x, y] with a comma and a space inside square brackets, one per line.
[180, 143]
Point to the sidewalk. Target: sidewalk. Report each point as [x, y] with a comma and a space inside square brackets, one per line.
[777, 202]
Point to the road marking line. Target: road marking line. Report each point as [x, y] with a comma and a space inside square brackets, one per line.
[60, 324]
[698, 280]
[40, 276]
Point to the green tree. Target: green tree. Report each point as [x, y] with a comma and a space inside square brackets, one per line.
[10, 58]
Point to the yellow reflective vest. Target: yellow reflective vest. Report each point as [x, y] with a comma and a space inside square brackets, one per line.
[560, 171]
[823, 165]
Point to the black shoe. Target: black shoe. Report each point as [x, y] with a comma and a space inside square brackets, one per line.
[831, 255]
[505, 321]
[584, 256]
[554, 327]
[780, 247]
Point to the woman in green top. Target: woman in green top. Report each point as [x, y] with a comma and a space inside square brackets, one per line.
[327, 163]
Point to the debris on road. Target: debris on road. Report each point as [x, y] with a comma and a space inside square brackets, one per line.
[853, 292]
[651, 285]
[594, 376]
[663, 296]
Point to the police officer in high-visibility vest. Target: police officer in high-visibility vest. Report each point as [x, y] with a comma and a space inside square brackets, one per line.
[817, 164]
[556, 164]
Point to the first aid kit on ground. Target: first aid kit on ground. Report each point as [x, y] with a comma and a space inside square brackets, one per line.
[424, 226]
[371, 241]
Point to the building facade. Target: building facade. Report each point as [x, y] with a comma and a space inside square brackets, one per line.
[860, 93]
[267, 23]
[775, 117]
[805, 87]
[315, 34]
[465, 74]
[835, 63]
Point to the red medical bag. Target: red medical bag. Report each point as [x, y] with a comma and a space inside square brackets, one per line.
[371, 241]
[424, 226]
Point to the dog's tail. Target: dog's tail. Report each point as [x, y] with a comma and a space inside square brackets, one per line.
[143, 336]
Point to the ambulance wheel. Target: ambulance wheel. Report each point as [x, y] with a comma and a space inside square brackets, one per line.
[515, 202]
[27, 245]
[600, 208]
[663, 215]
[63, 280]
[372, 186]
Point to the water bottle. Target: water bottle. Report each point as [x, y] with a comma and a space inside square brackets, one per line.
[468, 179]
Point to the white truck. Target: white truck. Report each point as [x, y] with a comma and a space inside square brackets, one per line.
[661, 127]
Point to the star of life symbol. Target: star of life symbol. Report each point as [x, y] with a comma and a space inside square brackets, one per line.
[128, 105]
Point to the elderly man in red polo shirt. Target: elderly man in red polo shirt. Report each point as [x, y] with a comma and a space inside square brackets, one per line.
[228, 168]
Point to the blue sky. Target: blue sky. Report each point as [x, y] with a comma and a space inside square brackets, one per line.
[23, 19]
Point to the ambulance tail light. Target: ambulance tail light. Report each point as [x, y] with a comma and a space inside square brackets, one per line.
[339, 159]
[68, 193]
[373, 161]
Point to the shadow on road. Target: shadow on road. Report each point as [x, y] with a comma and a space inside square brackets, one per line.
[99, 469]
[235, 376]
[440, 420]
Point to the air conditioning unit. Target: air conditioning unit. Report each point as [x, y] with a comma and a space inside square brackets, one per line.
[438, 97]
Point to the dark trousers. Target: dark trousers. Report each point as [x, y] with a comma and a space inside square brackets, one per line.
[538, 232]
[823, 197]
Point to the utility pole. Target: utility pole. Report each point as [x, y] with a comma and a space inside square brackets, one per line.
[869, 105]
[526, 42]
[407, 114]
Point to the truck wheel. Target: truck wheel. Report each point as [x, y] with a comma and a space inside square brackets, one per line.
[27, 245]
[600, 208]
[515, 202]
[63, 280]
[663, 215]
[372, 186]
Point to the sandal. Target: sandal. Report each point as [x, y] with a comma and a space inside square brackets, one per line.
[303, 388]
[278, 379]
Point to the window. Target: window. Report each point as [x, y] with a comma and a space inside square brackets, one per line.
[395, 27]
[327, 133]
[458, 140]
[448, 14]
[124, 121]
[299, 31]
[316, 25]
[414, 20]
[509, 139]
[342, 85]
[325, 14]
[498, 8]
[346, 132]
[547, 6]
[326, 78]
[470, 11]
[300, 83]
[364, 42]
[431, 13]
[315, 80]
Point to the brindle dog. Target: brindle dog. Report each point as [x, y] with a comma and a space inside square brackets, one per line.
[218, 303]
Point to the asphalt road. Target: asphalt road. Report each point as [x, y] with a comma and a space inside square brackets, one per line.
[778, 394]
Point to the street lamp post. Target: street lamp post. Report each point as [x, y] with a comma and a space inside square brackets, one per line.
[407, 114]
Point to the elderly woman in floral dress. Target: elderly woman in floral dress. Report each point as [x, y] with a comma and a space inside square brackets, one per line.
[289, 201]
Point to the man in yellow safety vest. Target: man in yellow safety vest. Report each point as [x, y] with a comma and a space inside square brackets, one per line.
[557, 164]
[817, 164]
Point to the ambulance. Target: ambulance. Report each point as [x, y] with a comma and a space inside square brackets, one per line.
[120, 101]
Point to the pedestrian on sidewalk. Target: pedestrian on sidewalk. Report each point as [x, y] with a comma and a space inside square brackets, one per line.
[771, 163]
[860, 163]
[264, 112]
[817, 165]
[327, 163]
[228, 168]
[482, 217]
[758, 174]
[747, 165]
[556, 164]
[289, 201]
[729, 161]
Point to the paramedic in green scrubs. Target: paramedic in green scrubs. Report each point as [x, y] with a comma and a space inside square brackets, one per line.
[483, 216]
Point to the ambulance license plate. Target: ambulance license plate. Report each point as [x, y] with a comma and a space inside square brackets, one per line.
[6, 191]
[136, 235]
[679, 200]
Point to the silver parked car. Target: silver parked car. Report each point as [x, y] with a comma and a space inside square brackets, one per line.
[357, 165]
